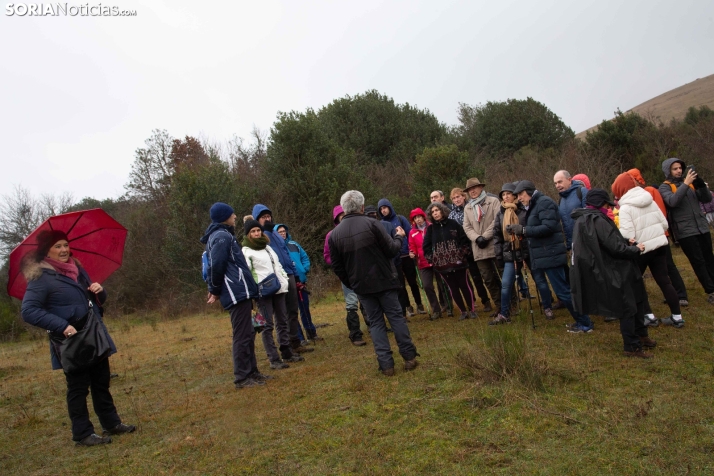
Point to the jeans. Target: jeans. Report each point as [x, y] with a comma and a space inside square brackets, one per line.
[274, 306]
[244, 362]
[560, 286]
[97, 379]
[351, 305]
[508, 278]
[351, 300]
[698, 249]
[387, 303]
[305, 316]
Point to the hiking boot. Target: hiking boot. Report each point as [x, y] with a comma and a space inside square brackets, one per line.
[279, 365]
[358, 343]
[473, 315]
[303, 350]
[94, 440]
[464, 315]
[249, 382]
[450, 314]
[295, 358]
[559, 305]
[420, 309]
[487, 307]
[435, 316]
[120, 429]
[651, 322]
[647, 342]
[639, 353]
[683, 303]
[500, 319]
[549, 316]
[710, 298]
[410, 311]
[388, 372]
[610, 319]
[410, 364]
[669, 321]
[578, 329]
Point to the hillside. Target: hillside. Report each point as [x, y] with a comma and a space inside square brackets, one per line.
[674, 103]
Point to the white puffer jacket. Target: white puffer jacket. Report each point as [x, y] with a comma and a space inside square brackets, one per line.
[641, 219]
[261, 266]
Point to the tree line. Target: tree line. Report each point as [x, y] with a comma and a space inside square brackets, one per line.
[301, 167]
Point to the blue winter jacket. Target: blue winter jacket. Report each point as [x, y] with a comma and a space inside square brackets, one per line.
[396, 220]
[569, 201]
[298, 256]
[228, 273]
[544, 233]
[277, 243]
[53, 301]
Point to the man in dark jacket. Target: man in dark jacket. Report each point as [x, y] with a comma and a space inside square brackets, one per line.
[388, 214]
[361, 252]
[230, 281]
[682, 192]
[605, 276]
[547, 250]
[572, 195]
[277, 243]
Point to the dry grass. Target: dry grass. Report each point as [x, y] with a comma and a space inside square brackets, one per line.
[599, 413]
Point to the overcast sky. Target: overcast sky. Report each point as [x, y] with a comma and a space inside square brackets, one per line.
[80, 94]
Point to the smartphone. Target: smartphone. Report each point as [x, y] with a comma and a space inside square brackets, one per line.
[691, 167]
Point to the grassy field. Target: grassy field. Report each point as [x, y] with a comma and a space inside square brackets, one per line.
[596, 413]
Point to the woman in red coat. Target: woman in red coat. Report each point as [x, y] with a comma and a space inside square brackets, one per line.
[416, 252]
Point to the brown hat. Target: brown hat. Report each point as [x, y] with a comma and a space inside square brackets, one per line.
[471, 183]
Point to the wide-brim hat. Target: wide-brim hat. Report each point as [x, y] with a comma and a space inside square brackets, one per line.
[472, 183]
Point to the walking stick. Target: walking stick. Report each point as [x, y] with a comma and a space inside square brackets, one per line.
[421, 286]
[530, 304]
[447, 294]
[515, 287]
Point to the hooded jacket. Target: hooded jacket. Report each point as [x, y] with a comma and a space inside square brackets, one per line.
[569, 201]
[484, 227]
[277, 243]
[641, 219]
[604, 276]
[326, 249]
[53, 301]
[395, 220]
[416, 239]
[686, 217]
[228, 273]
[298, 256]
[361, 252]
[544, 233]
[504, 248]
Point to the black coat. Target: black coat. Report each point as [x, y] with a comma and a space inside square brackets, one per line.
[604, 276]
[361, 252]
[504, 247]
[446, 245]
[544, 233]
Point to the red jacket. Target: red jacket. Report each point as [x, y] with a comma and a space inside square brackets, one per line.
[416, 239]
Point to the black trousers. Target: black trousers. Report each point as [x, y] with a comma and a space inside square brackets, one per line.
[657, 262]
[244, 362]
[674, 275]
[410, 274]
[402, 292]
[291, 302]
[698, 249]
[632, 328]
[96, 378]
[460, 289]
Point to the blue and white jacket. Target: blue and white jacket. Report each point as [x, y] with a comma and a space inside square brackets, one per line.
[228, 274]
[300, 259]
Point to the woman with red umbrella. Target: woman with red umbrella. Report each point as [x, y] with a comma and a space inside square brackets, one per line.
[58, 297]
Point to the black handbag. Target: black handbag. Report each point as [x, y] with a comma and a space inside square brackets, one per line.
[271, 284]
[87, 347]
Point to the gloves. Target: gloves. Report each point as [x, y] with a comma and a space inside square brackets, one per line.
[515, 229]
[481, 242]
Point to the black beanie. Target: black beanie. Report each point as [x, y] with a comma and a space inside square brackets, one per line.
[46, 239]
[249, 225]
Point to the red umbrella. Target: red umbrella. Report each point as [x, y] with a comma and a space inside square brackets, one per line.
[95, 239]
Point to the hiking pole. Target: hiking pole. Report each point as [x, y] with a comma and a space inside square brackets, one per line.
[447, 294]
[515, 287]
[530, 304]
[421, 286]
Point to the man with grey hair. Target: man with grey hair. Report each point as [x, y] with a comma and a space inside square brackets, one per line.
[361, 252]
[572, 195]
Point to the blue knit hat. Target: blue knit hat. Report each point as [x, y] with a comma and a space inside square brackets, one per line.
[221, 212]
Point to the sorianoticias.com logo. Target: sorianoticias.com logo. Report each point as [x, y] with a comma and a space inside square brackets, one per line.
[65, 10]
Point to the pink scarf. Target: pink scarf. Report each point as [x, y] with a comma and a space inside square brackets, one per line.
[603, 210]
[68, 269]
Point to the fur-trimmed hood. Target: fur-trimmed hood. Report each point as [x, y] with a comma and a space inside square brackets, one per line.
[32, 269]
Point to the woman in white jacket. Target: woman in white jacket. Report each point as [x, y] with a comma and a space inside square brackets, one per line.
[263, 262]
[642, 219]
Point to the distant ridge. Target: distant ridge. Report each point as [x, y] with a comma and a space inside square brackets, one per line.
[675, 103]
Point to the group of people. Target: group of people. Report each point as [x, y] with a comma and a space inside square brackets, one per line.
[591, 250]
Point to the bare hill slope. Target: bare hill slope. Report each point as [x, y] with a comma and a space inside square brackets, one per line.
[675, 103]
